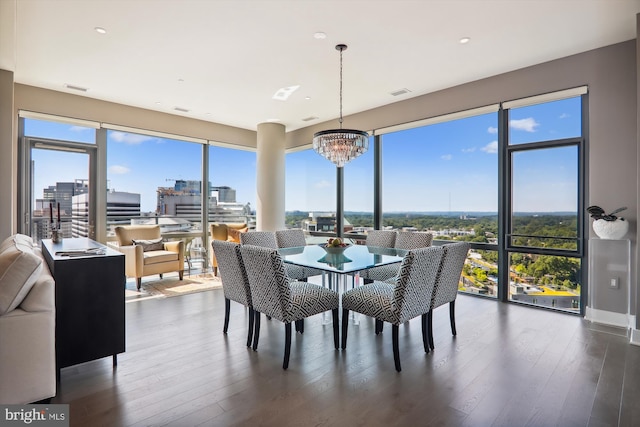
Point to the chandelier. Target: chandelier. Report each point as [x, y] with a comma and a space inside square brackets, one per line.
[340, 146]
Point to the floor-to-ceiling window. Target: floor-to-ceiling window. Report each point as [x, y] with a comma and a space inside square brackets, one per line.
[232, 185]
[359, 193]
[153, 180]
[58, 162]
[442, 177]
[544, 198]
[310, 192]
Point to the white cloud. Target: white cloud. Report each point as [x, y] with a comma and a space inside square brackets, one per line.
[323, 184]
[446, 157]
[119, 170]
[492, 129]
[564, 116]
[529, 124]
[469, 150]
[491, 147]
[78, 129]
[130, 138]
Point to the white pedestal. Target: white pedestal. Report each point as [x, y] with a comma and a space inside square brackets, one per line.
[609, 283]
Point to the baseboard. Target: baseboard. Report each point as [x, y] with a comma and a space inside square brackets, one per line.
[621, 320]
[635, 337]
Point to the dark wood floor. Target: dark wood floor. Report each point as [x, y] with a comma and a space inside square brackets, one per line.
[509, 366]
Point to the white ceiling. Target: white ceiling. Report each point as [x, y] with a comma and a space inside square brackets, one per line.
[233, 55]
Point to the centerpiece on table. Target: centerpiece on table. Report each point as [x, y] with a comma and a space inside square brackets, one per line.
[608, 226]
[335, 248]
[335, 245]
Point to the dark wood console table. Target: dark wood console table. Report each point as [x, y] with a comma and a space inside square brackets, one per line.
[90, 319]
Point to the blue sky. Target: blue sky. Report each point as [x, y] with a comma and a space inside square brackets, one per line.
[447, 166]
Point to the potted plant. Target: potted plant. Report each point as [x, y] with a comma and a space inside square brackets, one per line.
[608, 226]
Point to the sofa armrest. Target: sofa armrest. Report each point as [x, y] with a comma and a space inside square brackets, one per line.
[41, 297]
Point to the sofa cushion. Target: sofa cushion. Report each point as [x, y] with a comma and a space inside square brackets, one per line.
[150, 245]
[20, 267]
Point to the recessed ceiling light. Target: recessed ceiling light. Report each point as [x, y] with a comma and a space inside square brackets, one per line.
[307, 98]
[284, 92]
[465, 40]
[158, 103]
[180, 80]
[100, 30]
[319, 35]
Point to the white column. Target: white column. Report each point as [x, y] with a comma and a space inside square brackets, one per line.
[270, 177]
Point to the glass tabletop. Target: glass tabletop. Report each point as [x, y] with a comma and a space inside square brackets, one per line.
[353, 258]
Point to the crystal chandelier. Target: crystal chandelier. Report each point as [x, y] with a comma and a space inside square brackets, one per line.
[340, 146]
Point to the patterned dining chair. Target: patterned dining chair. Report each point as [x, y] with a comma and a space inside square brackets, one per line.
[382, 239]
[267, 239]
[235, 284]
[446, 288]
[397, 303]
[264, 239]
[290, 238]
[288, 301]
[406, 240]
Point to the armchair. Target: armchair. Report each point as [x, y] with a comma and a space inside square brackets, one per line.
[229, 232]
[146, 254]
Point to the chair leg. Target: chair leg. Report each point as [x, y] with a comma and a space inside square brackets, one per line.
[452, 317]
[430, 328]
[300, 326]
[287, 345]
[227, 309]
[396, 350]
[336, 329]
[139, 282]
[256, 330]
[181, 274]
[379, 326]
[251, 322]
[345, 325]
[425, 333]
[160, 275]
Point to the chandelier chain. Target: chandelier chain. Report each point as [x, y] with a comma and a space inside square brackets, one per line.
[341, 50]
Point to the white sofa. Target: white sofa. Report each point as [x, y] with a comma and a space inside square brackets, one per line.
[27, 323]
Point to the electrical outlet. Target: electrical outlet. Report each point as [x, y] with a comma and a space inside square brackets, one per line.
[614, 283]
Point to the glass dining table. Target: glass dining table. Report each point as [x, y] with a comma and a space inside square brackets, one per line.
[338, 267]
